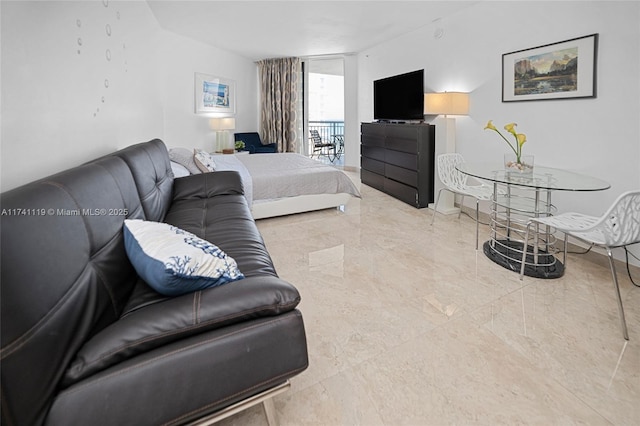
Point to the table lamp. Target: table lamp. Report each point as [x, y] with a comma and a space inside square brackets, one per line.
[222, 127]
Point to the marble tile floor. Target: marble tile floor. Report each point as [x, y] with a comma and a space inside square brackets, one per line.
[407, 324]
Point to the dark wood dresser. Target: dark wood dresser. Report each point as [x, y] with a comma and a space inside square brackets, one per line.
[398, 159]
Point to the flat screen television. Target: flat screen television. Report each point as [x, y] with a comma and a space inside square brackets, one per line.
[400, 97]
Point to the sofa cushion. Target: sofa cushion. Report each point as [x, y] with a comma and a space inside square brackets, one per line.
[174, 261]
[157, 324]
[178, 383]
[211, 206]
[151, 169]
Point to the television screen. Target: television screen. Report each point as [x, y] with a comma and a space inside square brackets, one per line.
[400, 97]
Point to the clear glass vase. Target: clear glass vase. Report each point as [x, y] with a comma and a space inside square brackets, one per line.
[524, 167]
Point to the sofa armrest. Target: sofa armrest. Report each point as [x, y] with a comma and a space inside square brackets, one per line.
[262, 149]
[267, 148]
[207, 185]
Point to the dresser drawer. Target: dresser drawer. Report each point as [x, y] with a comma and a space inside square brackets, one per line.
[372, 140]
[373, 129]
[373, 152]
[402, 192]
[372, 179]
[372, 165]
[406, 176]
[402, 144]
[401, 159]
[405, 131]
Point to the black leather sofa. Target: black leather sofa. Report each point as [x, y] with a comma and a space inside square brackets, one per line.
[87, 342]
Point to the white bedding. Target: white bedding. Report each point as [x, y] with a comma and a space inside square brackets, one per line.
[286, 183]
[277, 176]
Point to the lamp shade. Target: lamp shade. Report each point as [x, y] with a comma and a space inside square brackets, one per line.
[447, 103]
[227, 123]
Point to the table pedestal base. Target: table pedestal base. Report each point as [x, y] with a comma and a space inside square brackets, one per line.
[506, 251]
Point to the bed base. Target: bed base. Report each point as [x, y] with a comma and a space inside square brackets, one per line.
[299, 204]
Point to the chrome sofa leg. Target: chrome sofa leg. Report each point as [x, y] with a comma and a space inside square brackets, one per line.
[270, 412]
[265, 398]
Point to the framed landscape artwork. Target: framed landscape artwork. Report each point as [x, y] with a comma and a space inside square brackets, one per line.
[214, 94]
[562, 70]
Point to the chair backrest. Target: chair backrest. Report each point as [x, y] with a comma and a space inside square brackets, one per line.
[249, 138]
[315, 137]
[65, 274]
[620, 225]
[447, 172]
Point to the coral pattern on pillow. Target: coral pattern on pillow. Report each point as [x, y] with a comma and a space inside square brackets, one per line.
[204, 161]
[173, 261]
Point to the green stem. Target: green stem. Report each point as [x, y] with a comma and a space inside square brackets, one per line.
[510, 146]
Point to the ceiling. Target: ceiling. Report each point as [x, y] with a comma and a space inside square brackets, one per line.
[262, 29]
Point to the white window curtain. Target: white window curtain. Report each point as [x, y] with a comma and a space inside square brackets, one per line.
[281, 103]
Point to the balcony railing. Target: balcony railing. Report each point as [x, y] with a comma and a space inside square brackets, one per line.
[327, 130]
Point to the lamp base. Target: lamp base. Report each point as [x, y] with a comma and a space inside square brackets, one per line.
[445, 209]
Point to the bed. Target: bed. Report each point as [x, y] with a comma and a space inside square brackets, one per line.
[277, 184]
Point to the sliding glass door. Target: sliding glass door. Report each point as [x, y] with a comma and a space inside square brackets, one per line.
[324, 109]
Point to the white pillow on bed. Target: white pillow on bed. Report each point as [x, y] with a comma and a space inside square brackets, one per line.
[204, 161]
[179, 170]
[184, 157]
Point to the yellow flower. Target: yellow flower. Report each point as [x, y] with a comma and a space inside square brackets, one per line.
[511, 128]
[490, 126]
[520, 138]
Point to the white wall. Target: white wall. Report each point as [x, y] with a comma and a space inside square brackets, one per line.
[594, 136]
[180, 59]
[351, 122]
[597, 136]
[76, 84]
[81, 79]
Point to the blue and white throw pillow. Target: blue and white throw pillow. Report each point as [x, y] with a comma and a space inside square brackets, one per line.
[174, 261]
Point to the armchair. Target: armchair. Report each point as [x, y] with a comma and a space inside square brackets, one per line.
[253, 143]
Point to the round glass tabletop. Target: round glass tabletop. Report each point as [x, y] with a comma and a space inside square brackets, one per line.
[542, 177]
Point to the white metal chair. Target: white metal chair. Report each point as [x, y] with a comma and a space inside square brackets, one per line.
[456, 183]
[619, 226]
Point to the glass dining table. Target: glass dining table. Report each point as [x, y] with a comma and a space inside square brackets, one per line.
[518, 197]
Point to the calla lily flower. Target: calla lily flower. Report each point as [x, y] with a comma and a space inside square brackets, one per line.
[511, 128]
[490, 126]
[520, 138]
